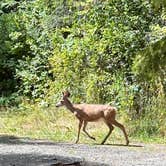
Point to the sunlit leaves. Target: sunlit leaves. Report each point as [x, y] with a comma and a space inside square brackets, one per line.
[151, 62]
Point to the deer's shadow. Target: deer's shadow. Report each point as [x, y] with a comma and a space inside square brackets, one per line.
[130, 145]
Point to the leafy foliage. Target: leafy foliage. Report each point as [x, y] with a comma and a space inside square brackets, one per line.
[103, 42]
[102, 51]
[26, 50]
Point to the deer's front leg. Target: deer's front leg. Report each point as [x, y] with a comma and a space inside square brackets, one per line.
[84, 129]
[79, 128]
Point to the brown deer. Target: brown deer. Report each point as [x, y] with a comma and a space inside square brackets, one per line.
[92, 112]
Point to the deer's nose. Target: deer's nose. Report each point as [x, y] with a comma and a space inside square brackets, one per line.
[56, 105]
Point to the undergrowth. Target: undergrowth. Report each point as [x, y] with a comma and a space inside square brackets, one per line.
[60, 125]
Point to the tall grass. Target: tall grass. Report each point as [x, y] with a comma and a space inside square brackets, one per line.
[52, 124]
[31, 120]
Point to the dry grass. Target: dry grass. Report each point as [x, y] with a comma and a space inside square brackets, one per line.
[53, 124]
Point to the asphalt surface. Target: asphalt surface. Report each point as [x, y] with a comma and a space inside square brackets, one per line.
[26, 152]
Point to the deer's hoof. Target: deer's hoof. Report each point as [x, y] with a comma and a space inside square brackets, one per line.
[102, 143]
[76, 142]
[127, 143]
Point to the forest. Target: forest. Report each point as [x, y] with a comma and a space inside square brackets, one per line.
[102, 51]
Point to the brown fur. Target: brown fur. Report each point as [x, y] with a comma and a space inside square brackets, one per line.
[92, 112]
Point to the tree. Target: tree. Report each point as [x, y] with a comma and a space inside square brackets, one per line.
[149, 64]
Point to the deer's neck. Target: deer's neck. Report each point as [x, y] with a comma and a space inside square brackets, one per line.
[69, 106]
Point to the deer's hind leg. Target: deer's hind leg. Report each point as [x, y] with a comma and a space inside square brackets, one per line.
[114, 122]
[84, 129]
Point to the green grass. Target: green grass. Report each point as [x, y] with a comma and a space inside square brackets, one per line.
[60, 125]
[52, 124]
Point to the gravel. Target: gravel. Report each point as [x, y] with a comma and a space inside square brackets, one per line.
[26, 152]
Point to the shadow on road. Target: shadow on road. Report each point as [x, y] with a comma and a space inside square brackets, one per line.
[42, 160]
[130, 145]
[37, 159]
[10, 139]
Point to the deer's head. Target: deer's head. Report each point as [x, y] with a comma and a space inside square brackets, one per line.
[63, 100]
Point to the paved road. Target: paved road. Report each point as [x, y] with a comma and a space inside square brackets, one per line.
[25, 152]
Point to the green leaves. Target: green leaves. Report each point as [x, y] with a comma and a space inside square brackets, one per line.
[53, 45]
[103, 42]
[150, 63]
[109, 51]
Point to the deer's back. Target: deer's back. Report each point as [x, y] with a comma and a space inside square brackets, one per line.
[94, 112]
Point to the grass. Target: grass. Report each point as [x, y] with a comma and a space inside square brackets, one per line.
[59, 125]
[52, 124]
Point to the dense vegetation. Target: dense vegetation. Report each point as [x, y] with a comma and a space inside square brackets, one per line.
[111, 51]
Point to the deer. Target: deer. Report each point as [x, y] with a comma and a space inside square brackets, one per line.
[90, 113]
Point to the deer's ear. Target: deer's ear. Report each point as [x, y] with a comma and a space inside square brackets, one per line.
[66, 94]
